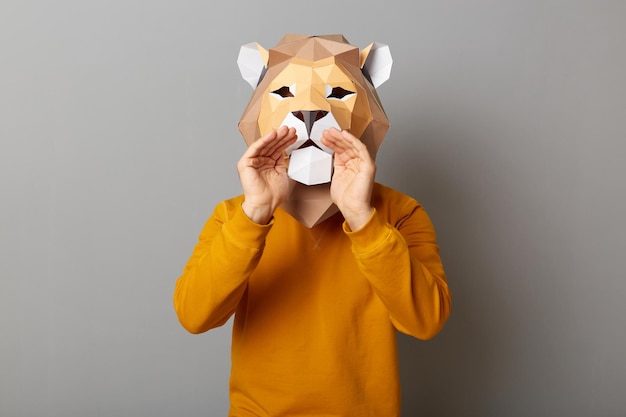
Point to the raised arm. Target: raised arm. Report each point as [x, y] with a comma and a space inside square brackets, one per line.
[399, 258]
[232, 240]
[402, 263]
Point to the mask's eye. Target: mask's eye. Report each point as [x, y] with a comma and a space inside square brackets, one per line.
[338, 93]
[284, 92]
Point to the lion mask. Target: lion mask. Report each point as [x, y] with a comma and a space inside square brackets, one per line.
[313, 83]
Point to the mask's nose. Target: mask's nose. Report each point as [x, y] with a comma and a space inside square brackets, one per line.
[309, 117]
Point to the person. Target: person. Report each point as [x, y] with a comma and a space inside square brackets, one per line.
[316, 309]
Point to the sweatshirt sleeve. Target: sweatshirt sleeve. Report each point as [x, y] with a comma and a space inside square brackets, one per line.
[216, 275]
[402, 263]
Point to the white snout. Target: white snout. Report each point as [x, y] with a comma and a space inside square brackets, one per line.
[310, 166]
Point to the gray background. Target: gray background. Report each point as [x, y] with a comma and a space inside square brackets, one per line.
[118, 136]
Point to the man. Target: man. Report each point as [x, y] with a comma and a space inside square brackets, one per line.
[316, 305]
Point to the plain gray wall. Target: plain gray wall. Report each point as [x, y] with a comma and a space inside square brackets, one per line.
[118, 136]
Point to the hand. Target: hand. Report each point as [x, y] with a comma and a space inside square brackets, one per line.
[263, 174]
[353, 177]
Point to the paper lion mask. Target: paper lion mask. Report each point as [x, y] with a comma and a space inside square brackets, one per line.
[313, 83]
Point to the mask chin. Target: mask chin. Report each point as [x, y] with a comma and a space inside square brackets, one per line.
[310, 166]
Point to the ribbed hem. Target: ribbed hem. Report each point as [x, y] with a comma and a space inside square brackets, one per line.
[369, 237]
[244, 233]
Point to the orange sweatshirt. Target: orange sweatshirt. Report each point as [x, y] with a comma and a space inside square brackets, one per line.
[316, 310]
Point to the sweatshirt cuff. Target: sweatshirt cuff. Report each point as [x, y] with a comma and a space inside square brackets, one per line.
[369, 237]
[244, 233]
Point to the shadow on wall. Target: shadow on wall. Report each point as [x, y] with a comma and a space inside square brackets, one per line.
[454, 373]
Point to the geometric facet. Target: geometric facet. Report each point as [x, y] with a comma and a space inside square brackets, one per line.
[310, 166]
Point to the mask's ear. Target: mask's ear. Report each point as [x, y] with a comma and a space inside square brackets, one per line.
[252, 61]
[376, 63]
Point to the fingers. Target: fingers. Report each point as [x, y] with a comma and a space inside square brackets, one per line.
[344, 143]
[273, 144]
[284, 138]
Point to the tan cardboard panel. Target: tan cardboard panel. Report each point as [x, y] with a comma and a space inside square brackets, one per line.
[291, 37]
[310, 204]
[335, 37]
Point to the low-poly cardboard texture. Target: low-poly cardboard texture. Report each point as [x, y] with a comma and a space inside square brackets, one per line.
[310, 165]
[313, 83]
